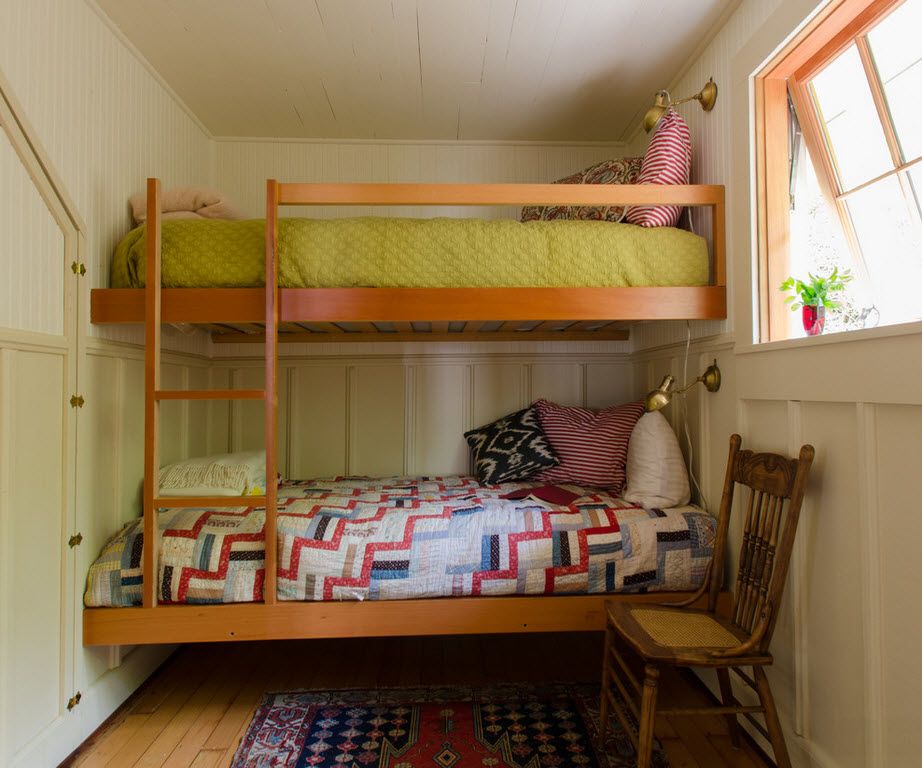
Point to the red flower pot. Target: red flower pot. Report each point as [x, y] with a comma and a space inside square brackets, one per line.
[814, 318]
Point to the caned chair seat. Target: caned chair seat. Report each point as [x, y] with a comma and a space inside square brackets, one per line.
[681, 636]
[663, 633]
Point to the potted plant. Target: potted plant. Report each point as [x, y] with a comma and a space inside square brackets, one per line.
[813, 297]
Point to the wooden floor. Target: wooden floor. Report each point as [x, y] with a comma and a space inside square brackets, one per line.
[194, 711]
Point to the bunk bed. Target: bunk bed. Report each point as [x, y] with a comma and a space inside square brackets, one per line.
[271, 314]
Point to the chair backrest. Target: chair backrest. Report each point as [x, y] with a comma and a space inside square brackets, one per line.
[776, 486]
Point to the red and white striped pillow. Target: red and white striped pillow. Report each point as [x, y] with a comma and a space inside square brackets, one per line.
[591, 445]
[666, 161]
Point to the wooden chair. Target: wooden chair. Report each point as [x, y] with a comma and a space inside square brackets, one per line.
[680, 636]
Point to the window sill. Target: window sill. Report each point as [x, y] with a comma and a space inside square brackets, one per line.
[844, 337]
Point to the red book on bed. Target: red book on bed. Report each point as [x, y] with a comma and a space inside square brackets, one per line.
[552, 494]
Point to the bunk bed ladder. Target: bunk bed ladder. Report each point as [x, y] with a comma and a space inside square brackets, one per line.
[154, 395]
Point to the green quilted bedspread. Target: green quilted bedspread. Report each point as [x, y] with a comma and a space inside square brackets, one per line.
[418, 253]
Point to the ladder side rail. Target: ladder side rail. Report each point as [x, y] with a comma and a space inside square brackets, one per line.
[150, 571]
[271, 392]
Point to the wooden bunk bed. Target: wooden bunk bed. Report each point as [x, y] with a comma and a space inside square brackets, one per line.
[271, 315]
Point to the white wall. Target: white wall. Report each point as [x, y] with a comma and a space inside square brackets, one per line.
[846, 670]
[100, 123]
[397, 413]
[105, 121]
[242, 166]
[845, 666]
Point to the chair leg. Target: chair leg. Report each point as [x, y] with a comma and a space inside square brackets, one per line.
[647, 716]
[782, 759]
[726, 695]
[603, 705]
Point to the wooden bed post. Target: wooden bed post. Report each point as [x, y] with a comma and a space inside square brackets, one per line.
[271, 391]
[719, 238]
[151, 386]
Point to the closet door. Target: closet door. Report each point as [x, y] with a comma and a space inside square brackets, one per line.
[38, 297]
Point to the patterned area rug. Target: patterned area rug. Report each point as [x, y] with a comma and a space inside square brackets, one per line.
[515, 726]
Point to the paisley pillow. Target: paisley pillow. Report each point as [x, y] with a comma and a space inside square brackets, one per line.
[624, 170]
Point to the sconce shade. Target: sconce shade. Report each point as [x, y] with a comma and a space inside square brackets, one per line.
[660, 104]
[706, 97]
[660, 397]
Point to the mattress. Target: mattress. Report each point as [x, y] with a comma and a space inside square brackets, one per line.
[418, 253]
[397, 538]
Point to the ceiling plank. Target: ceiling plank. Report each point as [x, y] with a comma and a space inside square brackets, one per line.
[542, 70]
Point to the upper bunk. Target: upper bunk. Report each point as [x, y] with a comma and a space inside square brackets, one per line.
[465, 313]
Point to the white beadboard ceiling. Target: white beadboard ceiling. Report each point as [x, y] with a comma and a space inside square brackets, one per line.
[546, 70]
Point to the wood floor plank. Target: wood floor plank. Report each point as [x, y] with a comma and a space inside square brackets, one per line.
[274, 680]
[207, 758]
[242, 707]
[111, 742]
[132, 751]
[180, 725]
[744, 757]
[698, 743]
[194, 740]
[198, 707]
[161, 686]
[678, 754]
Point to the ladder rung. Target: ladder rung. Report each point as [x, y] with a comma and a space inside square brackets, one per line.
[209, 394]
[210, 501]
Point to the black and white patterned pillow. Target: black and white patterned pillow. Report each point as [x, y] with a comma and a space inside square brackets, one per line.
[511, 448]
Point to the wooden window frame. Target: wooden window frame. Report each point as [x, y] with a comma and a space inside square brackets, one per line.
[787, 76]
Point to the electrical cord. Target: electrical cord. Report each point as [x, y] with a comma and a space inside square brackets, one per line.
[691, 453]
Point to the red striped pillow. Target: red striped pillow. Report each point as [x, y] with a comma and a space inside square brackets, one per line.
[591, 445]
[666, 161]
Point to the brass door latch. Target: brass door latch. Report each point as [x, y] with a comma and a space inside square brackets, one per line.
[77, 401]
[74, 700]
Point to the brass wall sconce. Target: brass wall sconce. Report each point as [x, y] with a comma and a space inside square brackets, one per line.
[661, 396]
[707, 97]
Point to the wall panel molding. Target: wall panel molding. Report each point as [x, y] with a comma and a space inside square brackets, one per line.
[406, 415]
[798, 589]
[872, 628]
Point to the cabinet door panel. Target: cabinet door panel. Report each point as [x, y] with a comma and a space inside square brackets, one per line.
[33, 508]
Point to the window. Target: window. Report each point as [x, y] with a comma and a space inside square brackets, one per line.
[839, 166]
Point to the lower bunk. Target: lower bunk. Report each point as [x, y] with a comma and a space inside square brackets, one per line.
[398, 556]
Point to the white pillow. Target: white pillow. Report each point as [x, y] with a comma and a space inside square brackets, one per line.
[230, 474]
[656, 473]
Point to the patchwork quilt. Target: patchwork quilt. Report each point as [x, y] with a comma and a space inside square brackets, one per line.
[397, 538]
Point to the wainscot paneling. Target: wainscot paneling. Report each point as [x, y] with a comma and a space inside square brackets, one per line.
[831, 549]
[36, 658]
[846, 630]
[896, 562]
[847, 636]
[387, 415]
[110, 459]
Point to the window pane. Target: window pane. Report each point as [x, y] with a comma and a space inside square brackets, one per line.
[897, 48]
[852, 124]
[818, 246]
[892, 248]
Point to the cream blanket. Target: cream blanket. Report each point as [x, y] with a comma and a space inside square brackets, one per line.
[186, 203]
